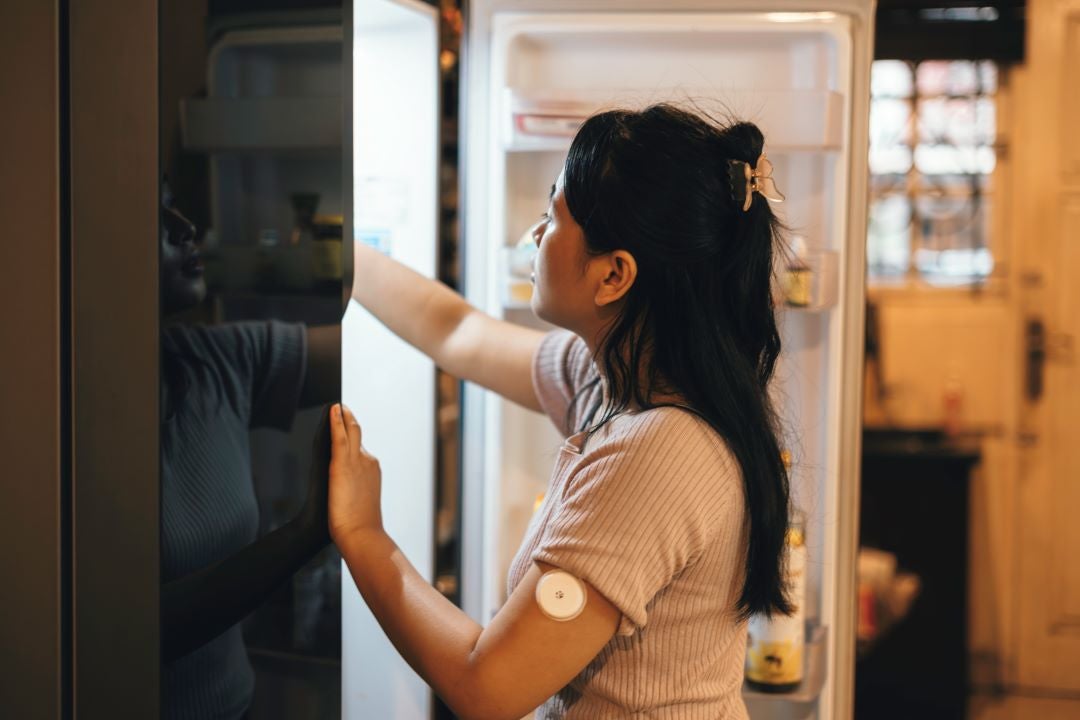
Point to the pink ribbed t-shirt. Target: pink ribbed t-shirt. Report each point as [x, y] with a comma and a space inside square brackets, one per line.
[649, 511]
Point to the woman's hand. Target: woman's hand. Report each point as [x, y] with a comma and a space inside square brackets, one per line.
[355, 479]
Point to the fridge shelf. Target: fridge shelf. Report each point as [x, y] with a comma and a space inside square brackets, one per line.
[813, 681]
[261, 124]
[516, 271]
[792, 120]
[517, 294]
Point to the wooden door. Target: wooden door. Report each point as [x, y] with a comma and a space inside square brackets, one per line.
[34, 559]
[1048, 247]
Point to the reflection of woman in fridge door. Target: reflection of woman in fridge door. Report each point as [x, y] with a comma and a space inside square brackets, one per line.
[218, 382]
[668, 502]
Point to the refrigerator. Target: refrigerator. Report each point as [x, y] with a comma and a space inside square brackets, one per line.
[82, 417]
[533, 70]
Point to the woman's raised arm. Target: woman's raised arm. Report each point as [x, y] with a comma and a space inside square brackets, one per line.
[431, 317]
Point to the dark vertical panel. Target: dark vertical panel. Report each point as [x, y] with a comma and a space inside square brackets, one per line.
[31, 642]
[114, 255]
[954, 30]
[347, 20]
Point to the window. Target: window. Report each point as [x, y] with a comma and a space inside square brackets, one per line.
[933, 130]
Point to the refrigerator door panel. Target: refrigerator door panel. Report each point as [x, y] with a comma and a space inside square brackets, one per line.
[389, 385]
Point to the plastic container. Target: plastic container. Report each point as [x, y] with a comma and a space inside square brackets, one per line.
[517, 263]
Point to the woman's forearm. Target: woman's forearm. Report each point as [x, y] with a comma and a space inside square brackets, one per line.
[435, 637]
[462, 340]
[421, 311]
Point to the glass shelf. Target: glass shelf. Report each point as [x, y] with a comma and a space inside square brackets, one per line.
[792, 120]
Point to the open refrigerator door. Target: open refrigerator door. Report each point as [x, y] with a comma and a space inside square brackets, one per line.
[801, 72]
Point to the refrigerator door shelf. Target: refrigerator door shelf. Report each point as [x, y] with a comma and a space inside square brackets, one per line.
[517, 264]
[813, 678]
[261, 124]
[517, 294]
[811, 286]
[808, 120]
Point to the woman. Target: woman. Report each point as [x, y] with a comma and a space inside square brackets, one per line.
[218, 382]
[669, 501]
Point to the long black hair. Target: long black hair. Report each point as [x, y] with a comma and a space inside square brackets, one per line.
[698, 321]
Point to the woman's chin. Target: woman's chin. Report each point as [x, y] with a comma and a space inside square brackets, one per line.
[547, 315]
[197, 290]
[537, 306]
[184, 296]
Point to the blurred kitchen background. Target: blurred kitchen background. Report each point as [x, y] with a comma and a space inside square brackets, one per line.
[968, 584]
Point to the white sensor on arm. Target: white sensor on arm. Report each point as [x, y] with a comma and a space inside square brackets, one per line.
[560, 595]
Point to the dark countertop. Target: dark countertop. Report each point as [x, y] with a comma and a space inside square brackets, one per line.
[923, 443]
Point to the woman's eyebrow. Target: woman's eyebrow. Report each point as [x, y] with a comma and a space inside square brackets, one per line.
[551, 195]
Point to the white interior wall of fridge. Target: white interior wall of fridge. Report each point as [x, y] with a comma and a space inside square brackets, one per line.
[388, 384]
[786, 73]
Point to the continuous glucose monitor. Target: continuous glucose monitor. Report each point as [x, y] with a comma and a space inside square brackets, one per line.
[560, 595]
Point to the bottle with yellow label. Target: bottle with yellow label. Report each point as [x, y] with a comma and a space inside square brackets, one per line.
[799, 281]
[775, 646]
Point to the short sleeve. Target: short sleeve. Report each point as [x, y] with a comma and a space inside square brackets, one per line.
[561, 369]
[638, 510]
[263, 368]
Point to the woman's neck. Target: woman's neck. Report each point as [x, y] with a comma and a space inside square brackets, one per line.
[653, 387]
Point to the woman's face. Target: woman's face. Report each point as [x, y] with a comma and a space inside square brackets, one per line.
[182, 283]
[561, 290]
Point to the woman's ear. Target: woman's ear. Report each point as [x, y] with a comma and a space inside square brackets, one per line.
[619, 272]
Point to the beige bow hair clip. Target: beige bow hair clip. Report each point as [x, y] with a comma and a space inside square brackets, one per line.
[757, 179]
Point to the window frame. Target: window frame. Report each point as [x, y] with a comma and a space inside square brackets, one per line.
[914, 187]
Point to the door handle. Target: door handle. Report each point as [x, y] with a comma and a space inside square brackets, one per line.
[1035, 342]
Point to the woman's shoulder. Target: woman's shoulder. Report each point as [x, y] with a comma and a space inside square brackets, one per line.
[674, 423]
[669, 440]
[666, 460]
[565, 378]
[565, 357]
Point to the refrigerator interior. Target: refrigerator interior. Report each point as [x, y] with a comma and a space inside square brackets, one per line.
[789, 73]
